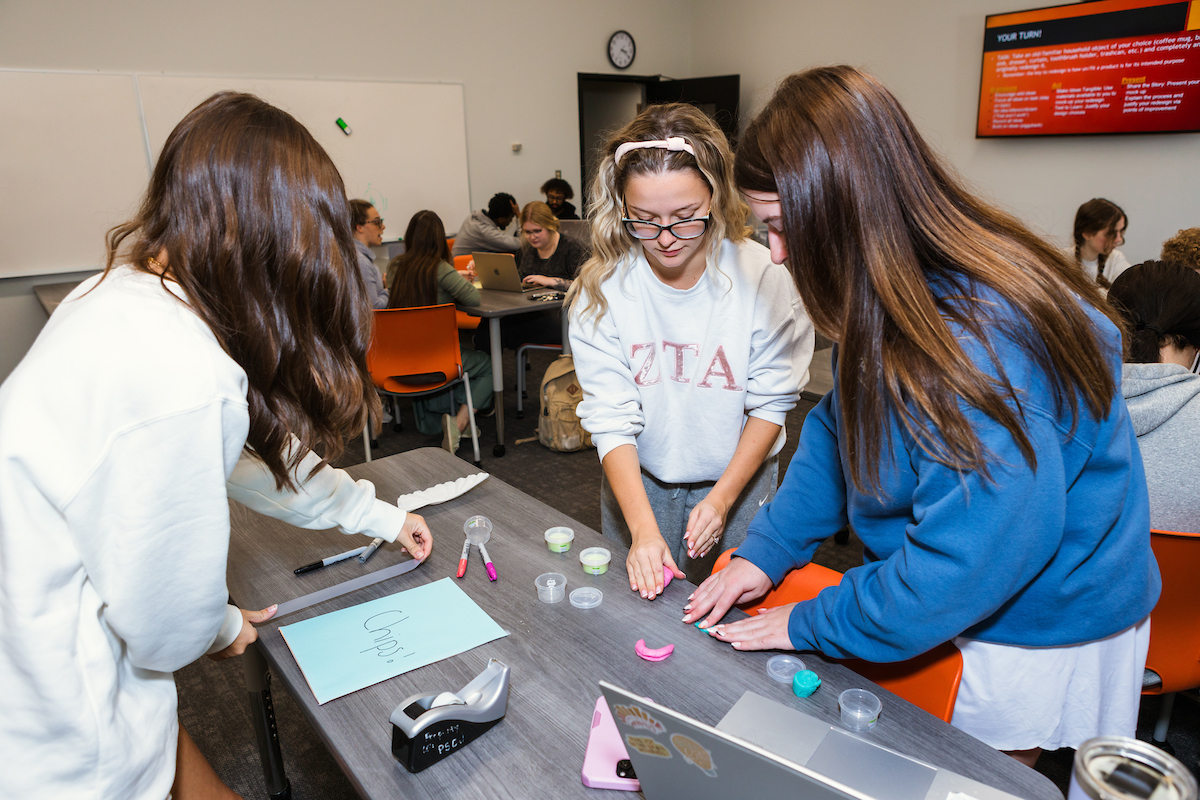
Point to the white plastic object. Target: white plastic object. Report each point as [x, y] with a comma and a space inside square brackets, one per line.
[559, 539]
[784, 668]
[551, 587]
[586, 597]
[595, 560]
[860, 709]
[478, 530]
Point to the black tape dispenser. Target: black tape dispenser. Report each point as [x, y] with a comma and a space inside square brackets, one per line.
[427, 728]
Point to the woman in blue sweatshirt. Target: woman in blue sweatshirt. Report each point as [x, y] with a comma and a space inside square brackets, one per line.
[976, 439]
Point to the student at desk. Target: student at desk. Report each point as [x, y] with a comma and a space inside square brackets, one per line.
[423, 277]
[368, 232]
[485, 231]
[548, 258]
[690, 347]
[227, 343]
[976, 439]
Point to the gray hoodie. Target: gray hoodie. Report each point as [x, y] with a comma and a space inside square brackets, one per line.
[478, 234]
[1164, 403]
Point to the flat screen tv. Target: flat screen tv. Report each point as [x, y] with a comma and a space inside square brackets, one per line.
[1111, 66]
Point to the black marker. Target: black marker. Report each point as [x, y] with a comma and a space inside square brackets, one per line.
[325, 562]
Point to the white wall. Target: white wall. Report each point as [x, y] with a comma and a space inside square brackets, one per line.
[517, 61]
[929, 53]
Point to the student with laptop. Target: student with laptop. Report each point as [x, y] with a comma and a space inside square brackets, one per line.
[484, 231]
[689, 344]
[548, 258]
[976, 439]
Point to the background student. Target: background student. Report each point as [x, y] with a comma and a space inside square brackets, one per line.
[1183, 248]
[975, 438]
[1099, 230]
[558, 192]
[233, 289]
[368, 232]
[548, 258]
[690, 347]
[484, 231]
[1160, 303]
[423, 276]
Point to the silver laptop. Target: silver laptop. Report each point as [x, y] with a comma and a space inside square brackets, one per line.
[762, 746]
[499, 271]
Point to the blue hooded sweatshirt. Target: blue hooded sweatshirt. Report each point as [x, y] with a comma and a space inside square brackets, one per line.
[1051, 556]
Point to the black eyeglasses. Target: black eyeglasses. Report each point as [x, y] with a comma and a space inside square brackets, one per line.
[377, 221]
[692, 228]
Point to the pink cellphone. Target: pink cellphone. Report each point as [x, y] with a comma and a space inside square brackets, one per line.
[604, 750]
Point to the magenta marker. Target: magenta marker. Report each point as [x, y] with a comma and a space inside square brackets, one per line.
[487, 562]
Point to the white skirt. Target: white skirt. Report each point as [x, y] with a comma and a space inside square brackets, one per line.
[1019, 698]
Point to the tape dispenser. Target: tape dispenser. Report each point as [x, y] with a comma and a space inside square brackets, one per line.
[427, 728]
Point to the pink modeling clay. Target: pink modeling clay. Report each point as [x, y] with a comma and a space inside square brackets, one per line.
[660, 654]
[667, 576]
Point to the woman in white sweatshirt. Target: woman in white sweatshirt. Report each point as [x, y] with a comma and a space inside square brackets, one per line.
[689, 344]
[229, 344]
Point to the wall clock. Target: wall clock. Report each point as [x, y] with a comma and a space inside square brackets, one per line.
[621, 49]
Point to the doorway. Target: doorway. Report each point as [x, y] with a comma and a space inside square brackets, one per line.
[606, 102]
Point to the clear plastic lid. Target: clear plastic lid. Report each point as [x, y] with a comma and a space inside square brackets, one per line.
[784, 668]
[586, 597]
[559, 535]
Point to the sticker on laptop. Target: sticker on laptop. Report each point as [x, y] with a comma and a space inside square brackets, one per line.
[635, 717]
[647, 746]
[694, 754]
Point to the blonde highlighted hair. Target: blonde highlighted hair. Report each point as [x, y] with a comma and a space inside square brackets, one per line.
[713, 162]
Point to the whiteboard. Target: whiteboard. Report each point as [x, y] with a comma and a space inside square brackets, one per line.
[407, 150]
[75, 150]
[72, 165]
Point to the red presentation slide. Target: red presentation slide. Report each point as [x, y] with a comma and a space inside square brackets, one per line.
[1114, 66]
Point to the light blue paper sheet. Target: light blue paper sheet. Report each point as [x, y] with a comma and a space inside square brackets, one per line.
[344, 651]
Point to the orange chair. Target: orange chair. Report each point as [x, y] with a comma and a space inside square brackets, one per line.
[929, 681]
[1174, 657]
[450, 243]
[466, 322]
[415, 352]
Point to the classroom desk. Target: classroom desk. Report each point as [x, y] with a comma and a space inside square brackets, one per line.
[557, 652]
[493, 305]
[51, 294]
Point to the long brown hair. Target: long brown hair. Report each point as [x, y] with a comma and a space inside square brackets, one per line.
[713, 162]
[1092, 217]
[870, 218]
[414, 282]
[252, 217]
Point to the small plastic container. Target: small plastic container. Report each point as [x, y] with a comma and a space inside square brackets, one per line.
[551, 587]
[860, 709]
[586, 597]
[478, 529]
[784, 668]
[595, 560]
[559, 539]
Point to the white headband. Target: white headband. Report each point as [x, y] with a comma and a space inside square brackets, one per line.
[671, 143]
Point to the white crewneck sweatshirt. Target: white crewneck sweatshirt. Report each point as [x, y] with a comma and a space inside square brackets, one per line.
[118, 434]
[677, 372]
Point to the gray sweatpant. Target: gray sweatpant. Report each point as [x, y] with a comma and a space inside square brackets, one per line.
[673, 503]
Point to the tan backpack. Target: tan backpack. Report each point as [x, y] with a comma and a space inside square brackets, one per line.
[559, 427]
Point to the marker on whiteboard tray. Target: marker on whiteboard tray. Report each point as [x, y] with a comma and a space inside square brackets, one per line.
[370, 551]
[341, 123]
